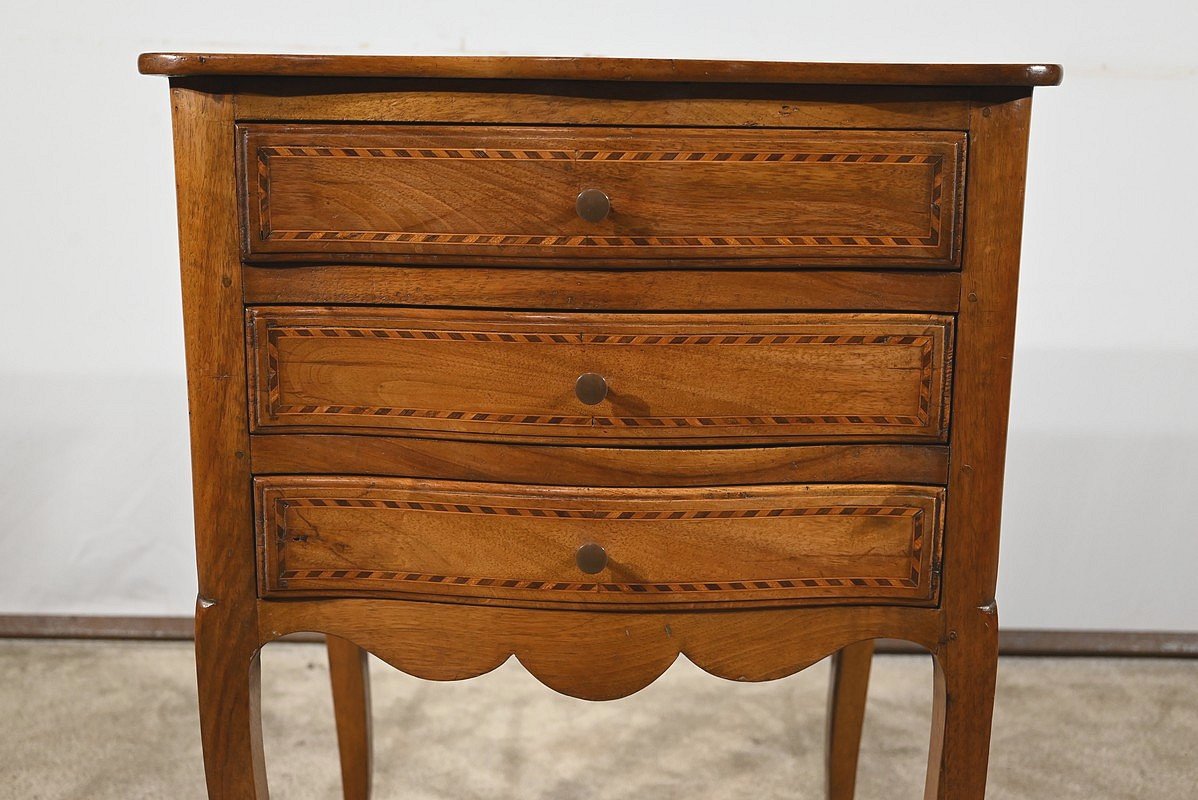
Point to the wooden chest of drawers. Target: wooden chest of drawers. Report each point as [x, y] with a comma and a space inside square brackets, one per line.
[597, 362]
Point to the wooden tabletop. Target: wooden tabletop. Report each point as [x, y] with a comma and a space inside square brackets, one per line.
[598, 69]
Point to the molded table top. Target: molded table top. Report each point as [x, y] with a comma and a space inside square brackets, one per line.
[598, 69]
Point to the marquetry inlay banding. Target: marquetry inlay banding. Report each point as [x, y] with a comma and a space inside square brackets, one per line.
[518, 154]
[933, 162]
[604, 514]
[383, 577]
[595, 338]
[400, 577]
[925, 343]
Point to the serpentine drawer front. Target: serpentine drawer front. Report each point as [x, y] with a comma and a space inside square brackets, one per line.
[652, 378]
[595, 363]
[382, 191]
[341, 536]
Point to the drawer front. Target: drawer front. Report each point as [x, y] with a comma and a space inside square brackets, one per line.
[493, 192]
[344, 536]
[695, 378]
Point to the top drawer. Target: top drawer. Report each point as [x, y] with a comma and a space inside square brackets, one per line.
[495, 194]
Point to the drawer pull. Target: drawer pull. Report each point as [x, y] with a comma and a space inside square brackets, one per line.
[590, 388]
[592, 205]
[591, 558]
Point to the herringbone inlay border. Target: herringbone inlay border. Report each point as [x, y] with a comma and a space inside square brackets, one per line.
[385, 577]
[267, 231]
[278, 409]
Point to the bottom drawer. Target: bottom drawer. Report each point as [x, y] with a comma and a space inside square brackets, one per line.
[334, 536]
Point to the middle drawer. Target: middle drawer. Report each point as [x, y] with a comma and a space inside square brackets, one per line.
[715, 378]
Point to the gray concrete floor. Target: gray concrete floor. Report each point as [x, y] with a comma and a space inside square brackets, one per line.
[117, 721]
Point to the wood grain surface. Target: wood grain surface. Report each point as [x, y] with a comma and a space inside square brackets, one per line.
[299, 454]
[349, 673]
[967, 661]
[619, 103]
[623, 651]
[603, 290]
[494, 190]
[795, 270]
[226, 646]
[697, 378]
[847, 692]
[617, 69]
[336, 536]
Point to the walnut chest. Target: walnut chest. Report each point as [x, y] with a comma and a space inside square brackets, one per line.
[596, 362]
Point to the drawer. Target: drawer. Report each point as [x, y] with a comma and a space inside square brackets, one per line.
[333, 536]
[601, 377]
[495, 193]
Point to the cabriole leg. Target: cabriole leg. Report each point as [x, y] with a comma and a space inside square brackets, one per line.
[228, 673]
[963, 707]
[350, 675]
[846, 714]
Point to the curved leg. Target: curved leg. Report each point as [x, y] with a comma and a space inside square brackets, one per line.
[846, 713]
[227, 672]
[348, 669]
[963, 707]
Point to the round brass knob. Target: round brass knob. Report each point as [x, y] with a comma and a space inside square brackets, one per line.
[592, 205]
[590, 388]
[591, 558]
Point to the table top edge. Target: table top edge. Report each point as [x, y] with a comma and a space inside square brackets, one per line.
[596, 69]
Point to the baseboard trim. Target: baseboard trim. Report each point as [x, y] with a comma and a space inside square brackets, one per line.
[1074, 643]
[1012, 641]
[52, 626]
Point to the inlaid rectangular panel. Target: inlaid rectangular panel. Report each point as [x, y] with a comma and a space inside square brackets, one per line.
[697, 378]
[495, 192]
[357, 535]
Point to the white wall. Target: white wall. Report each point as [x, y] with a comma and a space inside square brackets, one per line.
[1102, 497]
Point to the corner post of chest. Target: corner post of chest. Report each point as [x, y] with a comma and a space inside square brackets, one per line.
[227, 640]
[967, 653]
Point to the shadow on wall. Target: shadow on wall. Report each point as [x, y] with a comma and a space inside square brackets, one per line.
[95, 495]
[1100, 522]
[1100, 528]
